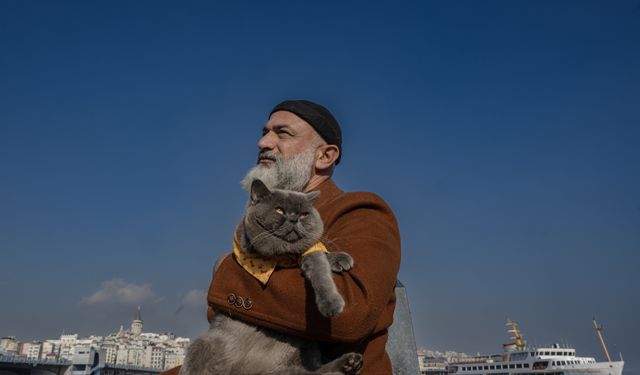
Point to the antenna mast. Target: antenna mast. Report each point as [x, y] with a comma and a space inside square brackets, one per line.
[599, 332]
[516, 336]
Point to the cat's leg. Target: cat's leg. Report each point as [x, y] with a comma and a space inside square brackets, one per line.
[203, 357]
[340, 261]
[317, 270]
[347, 364]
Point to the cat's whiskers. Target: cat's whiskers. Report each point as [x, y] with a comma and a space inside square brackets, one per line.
[260, 237]
[308, 234]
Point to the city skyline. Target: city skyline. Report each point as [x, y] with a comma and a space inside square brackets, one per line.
[130, 347]
[504, 135]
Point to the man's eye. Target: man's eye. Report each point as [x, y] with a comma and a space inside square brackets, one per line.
[280, 211]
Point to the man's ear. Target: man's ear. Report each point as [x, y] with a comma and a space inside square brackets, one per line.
[326, 156]
[259, 191]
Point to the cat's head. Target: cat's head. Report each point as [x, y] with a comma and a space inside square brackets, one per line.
[279, 222]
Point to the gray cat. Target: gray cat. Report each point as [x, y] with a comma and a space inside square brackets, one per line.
[276, 223]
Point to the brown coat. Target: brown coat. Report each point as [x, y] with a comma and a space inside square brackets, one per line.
[360, 224]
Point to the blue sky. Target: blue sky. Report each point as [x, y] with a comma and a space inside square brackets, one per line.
[504, 134]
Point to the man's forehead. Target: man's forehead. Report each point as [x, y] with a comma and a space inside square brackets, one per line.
[288, 119]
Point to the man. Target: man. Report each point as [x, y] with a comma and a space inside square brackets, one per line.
[299, 149]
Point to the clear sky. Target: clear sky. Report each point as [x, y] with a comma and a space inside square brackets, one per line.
[504, 134]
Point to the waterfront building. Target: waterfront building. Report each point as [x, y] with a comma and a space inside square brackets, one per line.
[34, 350]
[154, 356]
[8, 345]
[50, 349]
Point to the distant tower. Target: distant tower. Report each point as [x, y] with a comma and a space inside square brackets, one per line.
[136, 324]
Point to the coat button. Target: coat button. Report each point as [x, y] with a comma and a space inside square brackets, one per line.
[248, 304]
[239, 302]
[231, 298]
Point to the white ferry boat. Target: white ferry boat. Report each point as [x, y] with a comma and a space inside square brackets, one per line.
[518, 359]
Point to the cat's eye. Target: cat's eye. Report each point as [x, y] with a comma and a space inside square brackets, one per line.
[303, 215]
[280, 211]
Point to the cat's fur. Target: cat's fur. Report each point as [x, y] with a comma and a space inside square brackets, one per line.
[276, 223]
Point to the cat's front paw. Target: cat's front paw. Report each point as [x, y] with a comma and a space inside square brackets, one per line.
[351, 363]
[340, 261]
[330, 305]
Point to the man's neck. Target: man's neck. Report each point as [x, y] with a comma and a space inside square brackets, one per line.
[315, 181]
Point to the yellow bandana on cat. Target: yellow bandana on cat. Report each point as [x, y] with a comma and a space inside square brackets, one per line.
[262, 268]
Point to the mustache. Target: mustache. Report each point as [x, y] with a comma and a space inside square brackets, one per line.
[268, 155]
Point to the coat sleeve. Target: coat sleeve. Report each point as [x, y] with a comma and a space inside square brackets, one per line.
[360, 224]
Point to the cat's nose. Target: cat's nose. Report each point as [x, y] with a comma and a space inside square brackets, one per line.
[293, 218]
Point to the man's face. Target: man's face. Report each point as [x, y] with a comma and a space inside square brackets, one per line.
[286, 135]
[287, 153]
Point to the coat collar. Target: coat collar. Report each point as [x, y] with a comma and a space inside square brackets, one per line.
[328, 191]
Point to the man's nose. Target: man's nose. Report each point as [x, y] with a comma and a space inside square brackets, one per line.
[267, 141]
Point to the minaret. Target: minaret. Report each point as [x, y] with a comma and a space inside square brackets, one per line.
[136, 324]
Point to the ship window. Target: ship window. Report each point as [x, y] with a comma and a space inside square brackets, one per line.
[504, 367]
[526, 365]
[519, 365]
[474, 368]
[486, 367]
[512, 366]
[492, 367]
[533, 353]
[546, 353]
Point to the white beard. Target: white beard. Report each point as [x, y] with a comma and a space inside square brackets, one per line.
[287, 174]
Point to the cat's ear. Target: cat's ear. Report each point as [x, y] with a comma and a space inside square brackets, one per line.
[312, 196]
[259, 191]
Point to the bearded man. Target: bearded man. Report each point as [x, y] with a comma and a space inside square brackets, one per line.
[300, 146]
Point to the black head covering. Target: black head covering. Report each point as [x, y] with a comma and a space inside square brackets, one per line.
[318, 117]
